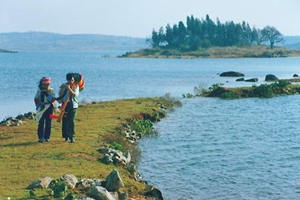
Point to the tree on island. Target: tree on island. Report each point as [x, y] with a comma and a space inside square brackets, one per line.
[204, 33]
[271, 35]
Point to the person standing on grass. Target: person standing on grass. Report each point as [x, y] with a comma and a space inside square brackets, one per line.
[70, 92]
[44, 100]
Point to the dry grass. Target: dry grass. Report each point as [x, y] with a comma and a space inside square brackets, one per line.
[23, 159]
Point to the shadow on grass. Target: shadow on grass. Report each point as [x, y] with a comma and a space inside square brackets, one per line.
[18, 144]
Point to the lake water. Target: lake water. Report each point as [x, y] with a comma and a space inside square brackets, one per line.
[207, 149]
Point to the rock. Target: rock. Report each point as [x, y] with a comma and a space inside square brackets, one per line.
[113, 181]
[29, 115]
[271, 77]
[231, 74]
[133, 171]
[84, 198]
[107, 159]
[120, 195]
[70, 180]
[295, 75]
[240, 79]
[115, 156]
[123, 195]
[41, 183]
[88, 183]
[20, 117]
[154, 193]
[252, 80]
[100, 193]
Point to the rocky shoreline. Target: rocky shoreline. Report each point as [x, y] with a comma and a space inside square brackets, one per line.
[111, 155]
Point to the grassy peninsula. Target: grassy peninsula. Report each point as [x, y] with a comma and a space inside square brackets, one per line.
[205, 38]
[24, 160]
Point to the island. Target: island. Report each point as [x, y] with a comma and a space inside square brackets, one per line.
[205, 38]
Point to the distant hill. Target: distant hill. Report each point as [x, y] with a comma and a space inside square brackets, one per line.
[291, 42]
[44, 41]
[6, 51]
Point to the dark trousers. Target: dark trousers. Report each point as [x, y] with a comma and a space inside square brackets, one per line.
[44, 128]
[68, 122]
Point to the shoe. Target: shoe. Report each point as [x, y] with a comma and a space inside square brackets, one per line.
[67, 139]
[47, 140]
[72, 140]
[41, 140]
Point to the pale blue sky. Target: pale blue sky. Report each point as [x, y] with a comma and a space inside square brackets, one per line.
[139, 17]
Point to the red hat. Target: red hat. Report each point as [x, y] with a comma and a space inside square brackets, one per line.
[46, 80]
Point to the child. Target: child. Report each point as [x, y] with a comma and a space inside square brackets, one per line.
[44, 100]
[70, 92]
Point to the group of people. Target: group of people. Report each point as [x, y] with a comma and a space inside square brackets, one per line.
[68, 97]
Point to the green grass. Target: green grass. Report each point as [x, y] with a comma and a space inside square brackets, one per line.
[24, 160]
[217, 52]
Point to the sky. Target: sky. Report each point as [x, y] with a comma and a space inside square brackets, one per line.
[137, 18]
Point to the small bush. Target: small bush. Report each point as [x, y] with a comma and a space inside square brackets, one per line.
[116, 146]
[264, 90]
[187, 95]
[229, 95]
[142, 126]
[200, 90]
[172, 100]
[59, 188]
[215, 86]
[281, 83]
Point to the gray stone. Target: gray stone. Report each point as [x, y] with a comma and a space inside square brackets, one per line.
[40, 183]
[70, 180]
[100, 193]
[133, 171]
[271, 77]
[252, 80]
[155, 193]
[84, 198]
[113, 181]
[88, 183]
[114, 156]
[123, 195]
[119, 195]
[240, 79]
[231, 74]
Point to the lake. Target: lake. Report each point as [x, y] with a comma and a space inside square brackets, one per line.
[207, 149]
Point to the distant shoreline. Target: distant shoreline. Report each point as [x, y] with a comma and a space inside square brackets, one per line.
[215, 52]
[7, 51]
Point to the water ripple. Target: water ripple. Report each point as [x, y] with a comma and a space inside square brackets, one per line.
[216, 149]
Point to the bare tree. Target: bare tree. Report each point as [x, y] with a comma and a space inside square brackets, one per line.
[272, 35]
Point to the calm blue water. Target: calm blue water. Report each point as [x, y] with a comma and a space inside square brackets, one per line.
[209, 148]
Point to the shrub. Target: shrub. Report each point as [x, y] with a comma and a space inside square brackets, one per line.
[264, 90]
[116, 146]
[229, 95]
[200, 90]
[187, 95]
[142, 126]
[172, 100]
[215, 86]
[281, 83]
[59, 188]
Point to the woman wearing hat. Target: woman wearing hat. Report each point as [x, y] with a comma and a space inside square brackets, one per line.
[44, 100]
